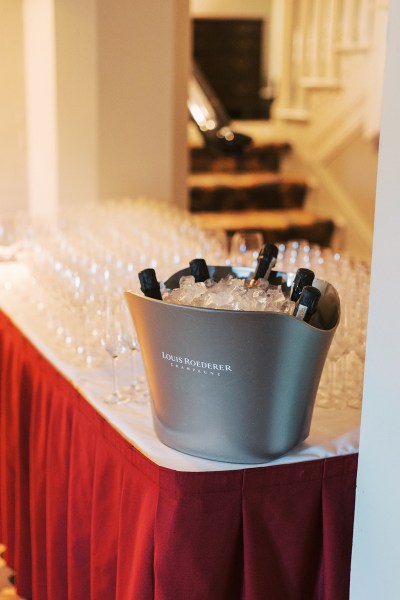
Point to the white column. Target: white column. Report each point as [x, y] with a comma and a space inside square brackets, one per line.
[41, 107]
[376, 550]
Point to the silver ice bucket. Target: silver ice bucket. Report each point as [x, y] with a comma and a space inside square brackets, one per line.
[232, 386]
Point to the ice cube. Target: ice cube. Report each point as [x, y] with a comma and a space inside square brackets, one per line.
[210, 283]
[223, 298]
[186, 280]
[227, 280]
[175, 297]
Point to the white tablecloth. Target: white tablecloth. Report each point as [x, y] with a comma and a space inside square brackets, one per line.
[333, 432]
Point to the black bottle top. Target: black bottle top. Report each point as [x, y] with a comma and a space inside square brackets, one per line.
[266, 260]
[303, 277]
[149, 284]
[307, 303]
[199, 269]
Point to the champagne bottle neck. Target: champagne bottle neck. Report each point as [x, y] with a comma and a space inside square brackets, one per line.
[149, 284]
[307, 303]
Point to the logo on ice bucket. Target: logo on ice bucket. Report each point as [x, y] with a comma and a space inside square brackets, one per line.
[195, 366]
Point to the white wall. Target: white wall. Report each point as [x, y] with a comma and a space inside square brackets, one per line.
[376, 550]
[93, 101]
[143, 69]
[75, 24]
[355, 169]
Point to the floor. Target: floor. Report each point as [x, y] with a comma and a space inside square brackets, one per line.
[7, 590]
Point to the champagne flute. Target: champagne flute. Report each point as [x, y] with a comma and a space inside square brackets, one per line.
[137, 390]
[114, 344]
[359, 347]
[245, 247]
[331, 393]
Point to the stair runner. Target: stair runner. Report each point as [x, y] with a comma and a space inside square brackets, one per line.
[248, 192]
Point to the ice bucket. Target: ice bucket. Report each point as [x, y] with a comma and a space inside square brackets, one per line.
[227, 385]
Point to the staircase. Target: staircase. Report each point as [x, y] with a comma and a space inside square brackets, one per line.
[250, 192]
[328, 103]
[327, 108]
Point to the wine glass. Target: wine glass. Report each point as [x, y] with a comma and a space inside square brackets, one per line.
[359, 347]
[245, 247]
[137, 389]
[114, 344]
[331, 395]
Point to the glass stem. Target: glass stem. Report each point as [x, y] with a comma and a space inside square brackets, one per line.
[134, 366]
[332, 382]
[346, 364]
[114, 373]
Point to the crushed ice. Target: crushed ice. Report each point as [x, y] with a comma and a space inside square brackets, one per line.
[229, 293]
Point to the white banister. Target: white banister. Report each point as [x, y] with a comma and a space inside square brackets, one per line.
[291, 102]
[349, 24]
[331, 26]
[365, 20]
[321, 70]
[314, 32]
[356, 19]
[318, 44]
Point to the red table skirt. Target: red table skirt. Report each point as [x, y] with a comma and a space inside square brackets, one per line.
[85, 515]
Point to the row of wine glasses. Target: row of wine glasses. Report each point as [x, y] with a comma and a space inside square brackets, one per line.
[80, 265]
[341, 384]
[342, 380]
[95, 253]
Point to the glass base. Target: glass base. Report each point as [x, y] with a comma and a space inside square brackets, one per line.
[117, 398]
[137, 392]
